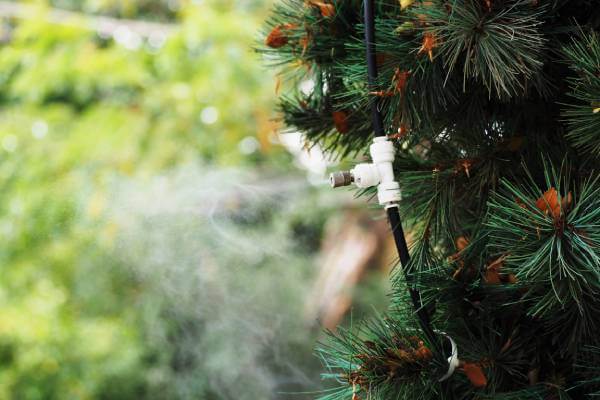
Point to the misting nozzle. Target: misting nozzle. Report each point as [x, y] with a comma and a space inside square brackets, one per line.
[379, 173]
[340, 178]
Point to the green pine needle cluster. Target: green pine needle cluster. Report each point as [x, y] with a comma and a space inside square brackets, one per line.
[584, 126]
[384, 360]
[494, 107]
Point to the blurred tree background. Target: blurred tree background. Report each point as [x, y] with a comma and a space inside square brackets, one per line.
[150, 246]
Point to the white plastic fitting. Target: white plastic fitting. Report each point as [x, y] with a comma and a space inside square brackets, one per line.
[379, 173]
[382, 154]
[366, 175]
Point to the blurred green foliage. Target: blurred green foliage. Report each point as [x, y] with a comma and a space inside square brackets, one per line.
[79, 113]
[158, 10]
[161, 10]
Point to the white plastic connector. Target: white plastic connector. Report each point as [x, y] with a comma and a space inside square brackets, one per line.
[379, 173]
[382, 154]
[366, 175]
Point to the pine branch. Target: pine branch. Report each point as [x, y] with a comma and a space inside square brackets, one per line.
[583, 118]
[385, 358]
[506, 246]
[550, 236]
[500, 45]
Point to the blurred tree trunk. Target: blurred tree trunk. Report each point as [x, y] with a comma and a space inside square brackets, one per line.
[353, 244]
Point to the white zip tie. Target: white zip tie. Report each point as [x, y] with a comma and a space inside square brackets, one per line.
[453, 361]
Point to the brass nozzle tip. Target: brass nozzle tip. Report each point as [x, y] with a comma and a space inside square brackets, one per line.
[341, 178]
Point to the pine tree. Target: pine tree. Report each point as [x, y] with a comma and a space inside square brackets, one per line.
[494, 108]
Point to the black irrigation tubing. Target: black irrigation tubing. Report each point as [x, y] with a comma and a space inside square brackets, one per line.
[392, 212]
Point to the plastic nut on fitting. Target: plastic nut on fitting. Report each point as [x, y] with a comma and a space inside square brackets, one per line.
[388, 193]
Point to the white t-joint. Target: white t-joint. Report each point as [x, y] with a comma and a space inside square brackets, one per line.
[379, 173]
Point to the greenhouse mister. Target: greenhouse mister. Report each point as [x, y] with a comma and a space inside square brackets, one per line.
[378, 173]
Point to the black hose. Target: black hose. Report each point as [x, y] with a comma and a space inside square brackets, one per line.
[392, 212]
[369, 11]
[401, 246]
